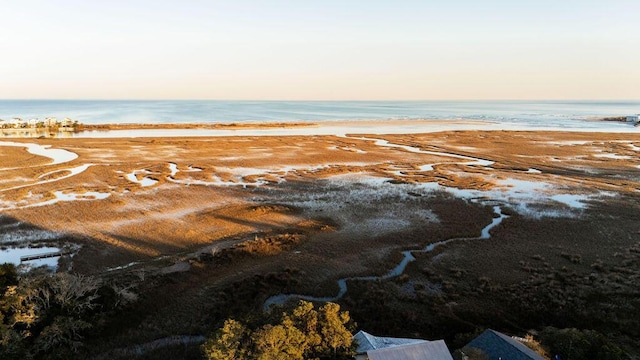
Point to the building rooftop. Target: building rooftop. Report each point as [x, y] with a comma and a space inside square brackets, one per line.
[500, 346]
[428, 350]
[368, 342]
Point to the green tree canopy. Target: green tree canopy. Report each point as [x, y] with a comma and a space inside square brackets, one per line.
[302, 333]
[230, 342]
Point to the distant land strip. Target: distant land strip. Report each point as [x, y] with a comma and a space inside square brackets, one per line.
[248, 125]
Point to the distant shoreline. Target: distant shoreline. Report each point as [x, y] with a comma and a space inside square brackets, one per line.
[166, 126]
[336, 127]
[170, 130]
[269, 125]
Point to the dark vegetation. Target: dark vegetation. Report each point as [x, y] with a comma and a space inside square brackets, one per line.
[578, 295]
[270, 244]
[45, 316]
[614, 118]
[581, 287]
[578, 344]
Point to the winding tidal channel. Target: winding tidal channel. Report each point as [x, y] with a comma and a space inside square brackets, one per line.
[396, 271]
[408, 255]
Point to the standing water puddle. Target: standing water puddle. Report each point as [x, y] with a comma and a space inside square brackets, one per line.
[58, 156]
[14, 255]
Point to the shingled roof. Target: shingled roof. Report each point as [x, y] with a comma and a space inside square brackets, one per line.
[499, 346]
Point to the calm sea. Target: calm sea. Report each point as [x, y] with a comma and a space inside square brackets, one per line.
[530, 114]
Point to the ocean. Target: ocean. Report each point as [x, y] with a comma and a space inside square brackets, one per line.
[525, 114]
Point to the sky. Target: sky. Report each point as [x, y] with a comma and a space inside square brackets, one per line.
[320, 50]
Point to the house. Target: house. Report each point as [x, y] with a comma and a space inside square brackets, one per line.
[33, 123]
[428, 350]
[50, 122]
[66, 122]
[633, 118]
[498, 346]
[387, 348]
[17, 123]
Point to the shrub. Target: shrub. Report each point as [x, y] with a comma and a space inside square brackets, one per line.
[579, 344]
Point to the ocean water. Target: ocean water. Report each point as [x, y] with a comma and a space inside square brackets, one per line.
[527, 114]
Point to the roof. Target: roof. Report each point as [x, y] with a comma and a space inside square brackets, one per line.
[428, 350]
[368, 342]
[500, 346]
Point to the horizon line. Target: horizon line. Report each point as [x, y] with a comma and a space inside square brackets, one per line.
[316, 100]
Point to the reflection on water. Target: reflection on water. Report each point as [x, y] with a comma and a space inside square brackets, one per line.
[576, 201]
[13, 255]
[35, 133]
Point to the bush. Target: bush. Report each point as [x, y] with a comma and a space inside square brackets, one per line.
[48, 317]
[578, 344]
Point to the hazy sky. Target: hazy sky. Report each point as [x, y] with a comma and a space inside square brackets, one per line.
[329, 49]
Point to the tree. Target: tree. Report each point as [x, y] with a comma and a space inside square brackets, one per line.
[65, 333]
[230, 342]
[536, 346]
[305, 318]
[302, 333]
[335, 335]
[576, 344]
[8, 282]
[47, 316]
[280, 342]
[8, 277]
[11, 345]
